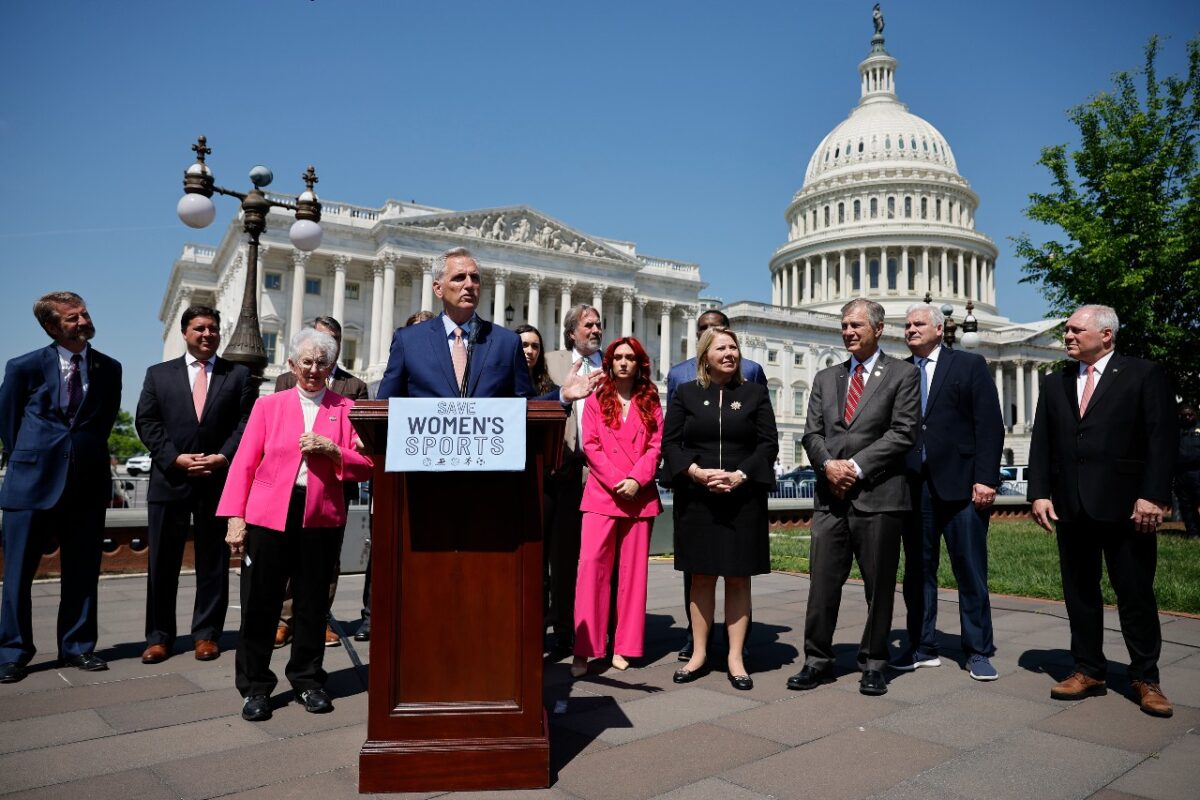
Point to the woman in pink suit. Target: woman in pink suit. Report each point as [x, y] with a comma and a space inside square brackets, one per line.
[622, 440]
[285, 504]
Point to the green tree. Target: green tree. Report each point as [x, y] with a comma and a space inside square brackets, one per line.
[123, 442]
[1128, 201]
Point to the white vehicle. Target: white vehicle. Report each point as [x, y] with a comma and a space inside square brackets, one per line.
[136, 465]
[1014, 480]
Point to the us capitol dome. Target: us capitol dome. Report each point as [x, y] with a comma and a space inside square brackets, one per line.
[884, 213]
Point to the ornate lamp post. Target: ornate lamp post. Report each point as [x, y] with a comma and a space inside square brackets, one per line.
[949, 327]
[970, 327]
[196, 210]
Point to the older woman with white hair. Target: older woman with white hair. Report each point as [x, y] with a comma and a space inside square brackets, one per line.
[285, 504]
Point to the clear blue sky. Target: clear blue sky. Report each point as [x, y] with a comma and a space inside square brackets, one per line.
[683, 126]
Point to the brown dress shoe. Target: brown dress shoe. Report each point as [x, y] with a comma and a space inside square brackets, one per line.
[155, 653]
[283, 635]
[207, 650]
[1152, 700]
[1077, 687]
[331, 638]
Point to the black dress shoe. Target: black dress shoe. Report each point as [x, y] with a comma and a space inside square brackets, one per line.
[689, 675]
[363, 634]
[12, 672]
[316, 701]
[86, 662]
[872, 683]
[256, 708]
[742, 683]
[809, 678]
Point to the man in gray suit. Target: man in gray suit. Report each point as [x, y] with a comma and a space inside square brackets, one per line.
[862, 421]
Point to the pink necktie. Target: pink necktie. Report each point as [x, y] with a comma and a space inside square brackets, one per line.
[200, 389]
[458, 354]
[1089, 386]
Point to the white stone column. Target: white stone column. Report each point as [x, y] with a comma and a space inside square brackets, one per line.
[639, 327]
[691, 331]
[296, 318]
[387, 322]
[796, 287]
[500, 301]
[826, 289]
[627, 312]
[598, 302]
[427, 286]
[339, 287]
[843, 276]
[376, 311]
[1035, 386]
[973, 284]
[414, 293]
[944, 273]
[991, 267]
[1000, 393]
[962, 283]
[664, 342]
[535, 299]
[808, 280]
[864, 273]
[775, 288]
[564, 306]
[1020, 392]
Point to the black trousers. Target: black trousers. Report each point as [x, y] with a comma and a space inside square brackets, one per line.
[566, 527]
[838, 538]
[1131, 558]
[307, 557]
[169, 524]
[1187, 496]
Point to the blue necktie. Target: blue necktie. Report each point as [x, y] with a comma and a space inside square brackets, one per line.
[921, 362]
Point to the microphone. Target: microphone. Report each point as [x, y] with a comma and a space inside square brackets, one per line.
[472, 339]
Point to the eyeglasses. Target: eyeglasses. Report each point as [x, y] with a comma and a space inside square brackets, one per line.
[310, 363]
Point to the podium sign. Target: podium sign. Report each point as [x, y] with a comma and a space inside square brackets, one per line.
[456, 435]
[455, 698]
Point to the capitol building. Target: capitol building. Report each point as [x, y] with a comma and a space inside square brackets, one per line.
[882, 213]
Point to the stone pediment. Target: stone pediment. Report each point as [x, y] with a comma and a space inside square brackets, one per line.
[517, 225]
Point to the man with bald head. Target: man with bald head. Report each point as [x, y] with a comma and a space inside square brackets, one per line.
[1100, 463]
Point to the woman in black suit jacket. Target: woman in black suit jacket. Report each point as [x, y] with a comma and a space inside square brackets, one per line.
[719, 446]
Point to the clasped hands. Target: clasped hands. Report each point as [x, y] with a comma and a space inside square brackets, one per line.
[841, 475]
[1146, 517]
[628, 488]
[716, 480]
[198, 465]
[314, 444]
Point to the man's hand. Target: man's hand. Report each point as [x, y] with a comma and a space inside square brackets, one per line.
[1044, 514]
[1147, 515]
[198, 465]
[841, 476]
[627, 488]
[576, 386]
[983, 496]
[235, 535]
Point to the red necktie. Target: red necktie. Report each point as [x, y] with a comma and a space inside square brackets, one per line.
[854, 394]
[1089, 386]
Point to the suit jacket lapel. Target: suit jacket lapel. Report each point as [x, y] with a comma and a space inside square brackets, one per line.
[96, 377]
[843, 386]
[219, 373]
[52, 374]
[627, 434]
[328, 418]
[1070, 375]
[483, 345]
[945, 363]
[1111, 375]
[441, 354]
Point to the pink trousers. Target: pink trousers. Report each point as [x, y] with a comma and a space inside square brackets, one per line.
[601, 537]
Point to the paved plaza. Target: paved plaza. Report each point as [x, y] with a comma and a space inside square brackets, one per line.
[173, 730]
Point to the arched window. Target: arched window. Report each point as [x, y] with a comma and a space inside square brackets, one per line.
[914, 143]
[874, 208]
[900, 141]
[908, 207]
[873, 276]
[924, 208]
[860, 145]
[857, 210]
[837, 152]
[855, 276]
[892, 273]
[887, 142]
[799, 399]
[841, 213]
[826, 216]
[891, 206]
[937, 209]
[925, 145]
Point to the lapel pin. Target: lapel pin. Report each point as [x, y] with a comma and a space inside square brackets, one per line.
[705, 402]
[735, 405]
[333, 419]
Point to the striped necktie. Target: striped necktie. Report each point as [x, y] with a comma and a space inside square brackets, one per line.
[854, 394]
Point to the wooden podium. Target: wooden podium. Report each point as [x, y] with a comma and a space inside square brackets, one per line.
[455, 698]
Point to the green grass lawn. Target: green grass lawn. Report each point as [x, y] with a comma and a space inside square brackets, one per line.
[1023, 560]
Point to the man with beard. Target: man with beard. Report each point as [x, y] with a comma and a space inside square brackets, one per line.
[57, 409]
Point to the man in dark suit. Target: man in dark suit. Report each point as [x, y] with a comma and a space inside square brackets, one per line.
[190, 415]
[57, 409]
[343, 383]
[862, 421]
[685, 372]
[953, 472]
[1100, 463]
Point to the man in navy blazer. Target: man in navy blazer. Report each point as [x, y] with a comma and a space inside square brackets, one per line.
[57, 409]
[422, 358]
[192, 424]
[685, 372]
[953, 471]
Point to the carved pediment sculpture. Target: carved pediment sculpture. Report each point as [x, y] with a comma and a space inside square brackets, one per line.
[516, 226]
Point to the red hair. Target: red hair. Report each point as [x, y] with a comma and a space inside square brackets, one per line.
[645, 393]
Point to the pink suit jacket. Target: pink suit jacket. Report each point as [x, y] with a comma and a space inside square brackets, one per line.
[263, 472]
[629, 451]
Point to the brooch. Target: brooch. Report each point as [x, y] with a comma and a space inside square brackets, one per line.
[705, 402]
[333, 419]
[735, 405]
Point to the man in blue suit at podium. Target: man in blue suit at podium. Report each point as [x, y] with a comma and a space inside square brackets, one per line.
[459, 354]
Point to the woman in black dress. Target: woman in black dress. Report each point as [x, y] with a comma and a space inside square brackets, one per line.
[719, 445]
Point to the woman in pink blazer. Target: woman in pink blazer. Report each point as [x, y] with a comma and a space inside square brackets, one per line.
[285, 504]
[622, 439]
